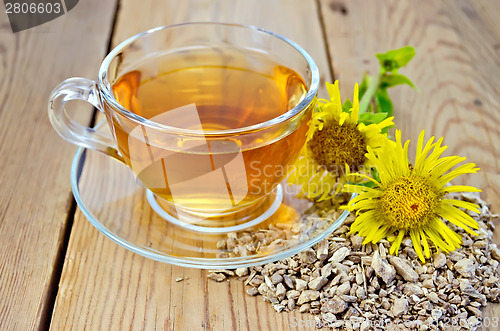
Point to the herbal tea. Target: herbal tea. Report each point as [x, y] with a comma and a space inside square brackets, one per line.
[226, 91]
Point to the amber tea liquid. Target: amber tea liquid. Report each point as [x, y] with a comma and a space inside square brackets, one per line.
[229, 90]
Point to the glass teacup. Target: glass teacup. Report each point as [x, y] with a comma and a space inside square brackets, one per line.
[208, 116]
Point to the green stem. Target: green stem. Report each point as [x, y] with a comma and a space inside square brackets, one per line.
[370, 93]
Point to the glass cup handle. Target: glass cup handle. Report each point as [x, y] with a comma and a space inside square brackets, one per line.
[79, 89]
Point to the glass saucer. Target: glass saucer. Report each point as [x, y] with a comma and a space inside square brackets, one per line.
[117, 205]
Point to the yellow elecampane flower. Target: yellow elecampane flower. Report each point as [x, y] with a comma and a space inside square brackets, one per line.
[412, 200]
[336, 145]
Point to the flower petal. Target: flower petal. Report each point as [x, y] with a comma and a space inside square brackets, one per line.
[397, 243]
[463, 204]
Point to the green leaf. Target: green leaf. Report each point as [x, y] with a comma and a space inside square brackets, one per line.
[389, 80]
[383, 100]
[366, 118]
[378, 107]
[347, 106]
[379, 117]
[364, 85]
[395, 59]
[370, 118]
[375, 174]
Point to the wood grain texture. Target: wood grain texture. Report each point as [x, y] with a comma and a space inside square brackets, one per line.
[105, 287]
[275, 15]
[456, 69]
[35, 195]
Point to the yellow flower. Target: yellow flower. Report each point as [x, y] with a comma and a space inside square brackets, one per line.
[412, 200]
[336, 145]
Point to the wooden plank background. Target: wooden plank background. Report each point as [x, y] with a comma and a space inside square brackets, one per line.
[35, 196]
[104, 287]
[457, 69]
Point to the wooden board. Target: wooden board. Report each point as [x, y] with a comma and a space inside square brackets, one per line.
[103, 286]
[35, 195]
[456, 70]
